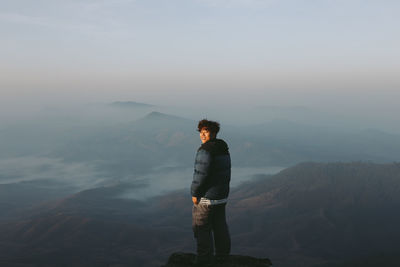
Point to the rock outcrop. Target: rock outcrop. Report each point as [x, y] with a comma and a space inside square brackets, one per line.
[180, 259]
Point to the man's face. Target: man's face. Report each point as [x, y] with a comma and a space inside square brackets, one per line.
[206, 135]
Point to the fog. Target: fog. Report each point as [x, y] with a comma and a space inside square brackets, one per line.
[99, 105]
[150, 148]
[352, 108]
[166, 181]
[49, 170]
[59, 147]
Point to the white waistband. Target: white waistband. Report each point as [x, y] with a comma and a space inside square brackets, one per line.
[207, 201]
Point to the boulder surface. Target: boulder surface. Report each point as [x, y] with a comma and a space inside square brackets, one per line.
[180, 259]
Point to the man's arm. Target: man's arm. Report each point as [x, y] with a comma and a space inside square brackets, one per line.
[201, 173]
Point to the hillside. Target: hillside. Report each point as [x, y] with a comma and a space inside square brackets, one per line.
[323, 212]
[313, 214]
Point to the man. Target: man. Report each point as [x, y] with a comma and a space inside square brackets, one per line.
[210, 189]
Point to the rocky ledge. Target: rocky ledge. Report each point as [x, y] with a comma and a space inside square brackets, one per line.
[180, 259]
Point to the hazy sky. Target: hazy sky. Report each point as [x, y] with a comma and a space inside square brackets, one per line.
[285, 52]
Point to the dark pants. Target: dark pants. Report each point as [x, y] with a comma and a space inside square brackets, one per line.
[210, 230]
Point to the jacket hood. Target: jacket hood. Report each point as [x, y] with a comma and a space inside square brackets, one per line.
[215, 146]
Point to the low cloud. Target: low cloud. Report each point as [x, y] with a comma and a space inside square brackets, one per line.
[163, 181]
[24, 169]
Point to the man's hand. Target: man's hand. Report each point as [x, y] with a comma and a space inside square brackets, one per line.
[195, 200]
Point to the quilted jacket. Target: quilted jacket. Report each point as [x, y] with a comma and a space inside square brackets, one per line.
[212, 170]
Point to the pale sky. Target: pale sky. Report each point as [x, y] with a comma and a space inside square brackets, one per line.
[161, 51]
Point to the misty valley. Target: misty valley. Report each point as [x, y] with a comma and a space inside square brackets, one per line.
[108, 185]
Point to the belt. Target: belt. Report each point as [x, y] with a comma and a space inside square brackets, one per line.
[207, 201]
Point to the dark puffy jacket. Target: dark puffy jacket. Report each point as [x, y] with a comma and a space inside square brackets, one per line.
[212, 170]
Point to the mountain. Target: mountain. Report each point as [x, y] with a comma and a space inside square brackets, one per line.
[129, 104]
[317, 212]
[155, 115]
[158, 139]
[91, 228]
[289, 143]
[126, 144]
[312, 214]
[134, 148]
[18, 199]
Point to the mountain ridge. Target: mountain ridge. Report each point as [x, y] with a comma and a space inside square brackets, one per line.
[130, 104]
[306, 215]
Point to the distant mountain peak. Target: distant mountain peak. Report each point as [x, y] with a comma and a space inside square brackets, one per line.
[130, 104]
[155, 115]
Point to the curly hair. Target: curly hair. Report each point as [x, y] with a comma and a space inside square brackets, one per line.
[211, 126]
